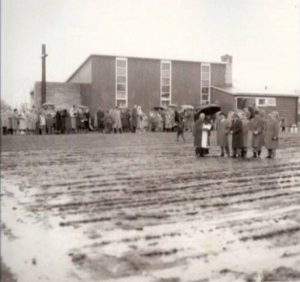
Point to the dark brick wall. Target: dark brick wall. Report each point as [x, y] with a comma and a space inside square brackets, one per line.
[186, 83]
[143, 83]
[286, 106]
[103, 83]
[218, 74]
[225, 100]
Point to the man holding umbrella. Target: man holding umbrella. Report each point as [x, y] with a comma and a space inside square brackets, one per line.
[202, 129]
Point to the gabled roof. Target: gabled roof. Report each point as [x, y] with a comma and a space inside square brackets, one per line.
[257, 92]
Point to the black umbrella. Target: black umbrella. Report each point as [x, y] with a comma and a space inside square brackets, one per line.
[158, 108]
[208, 110]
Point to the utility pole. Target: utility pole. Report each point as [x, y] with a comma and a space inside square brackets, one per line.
[43, 86]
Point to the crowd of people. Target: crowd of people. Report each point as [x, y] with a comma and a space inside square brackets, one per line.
[242, 129]
[236, 132]
[78, 119]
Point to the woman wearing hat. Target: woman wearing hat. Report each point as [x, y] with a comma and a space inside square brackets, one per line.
[223, 129]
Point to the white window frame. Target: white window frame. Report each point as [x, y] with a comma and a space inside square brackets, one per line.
[162, 99]
[269, 102]
[209, 83]
[126, 81]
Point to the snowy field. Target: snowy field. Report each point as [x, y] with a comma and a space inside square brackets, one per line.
[141, 207]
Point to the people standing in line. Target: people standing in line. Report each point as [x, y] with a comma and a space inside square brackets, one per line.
[201, 133]
[180, 127]
[272, 134]
[257, 128]
[245, 132]
[237, 135]
[223, 129]
[134, 118]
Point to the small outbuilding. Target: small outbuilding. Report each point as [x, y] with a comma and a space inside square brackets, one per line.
[231, 99]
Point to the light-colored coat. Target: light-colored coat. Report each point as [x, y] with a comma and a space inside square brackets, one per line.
[257, 128]
[271, 134]
[223, 128]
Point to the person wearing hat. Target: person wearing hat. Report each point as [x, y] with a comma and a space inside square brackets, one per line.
[237, 135]
[223, 129]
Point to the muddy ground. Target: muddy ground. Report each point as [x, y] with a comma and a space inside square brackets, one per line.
[141, 207]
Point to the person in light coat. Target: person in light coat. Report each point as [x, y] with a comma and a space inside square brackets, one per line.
[272, 129]
[257, 127]
[245, 132]
[201, 134]
[223, 129]
[22, 123]
[15, 121]
[116, 114]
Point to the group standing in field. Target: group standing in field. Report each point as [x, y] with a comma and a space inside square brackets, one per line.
[242, 129]
[236, 133]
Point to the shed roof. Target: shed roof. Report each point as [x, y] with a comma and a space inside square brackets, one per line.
[257, 92]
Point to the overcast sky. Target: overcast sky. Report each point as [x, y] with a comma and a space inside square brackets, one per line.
[261, 35]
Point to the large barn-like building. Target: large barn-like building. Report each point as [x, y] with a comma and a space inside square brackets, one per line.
[109, 81]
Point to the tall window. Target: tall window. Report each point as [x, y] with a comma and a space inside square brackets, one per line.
[165, 83]
[121, 83]
[205, 84]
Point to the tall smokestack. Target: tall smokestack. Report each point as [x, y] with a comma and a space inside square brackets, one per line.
[43, 86]
[228, 71]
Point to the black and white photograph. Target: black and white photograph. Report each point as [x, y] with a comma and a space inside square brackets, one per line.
[150, 141]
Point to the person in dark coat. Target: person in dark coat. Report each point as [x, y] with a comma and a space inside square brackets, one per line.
[245, 129]
[180, 127]
[223, 129]
[257, 127]
[237, 135]
[108, 122]
[201, 132]
[100, 119]
[134, 119]
[86, 118]
[58, 122]
[68, 125]
[271, 134]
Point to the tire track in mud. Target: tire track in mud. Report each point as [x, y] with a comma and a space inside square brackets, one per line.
[145, 191]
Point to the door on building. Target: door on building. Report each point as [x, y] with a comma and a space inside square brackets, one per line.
[245, 102]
